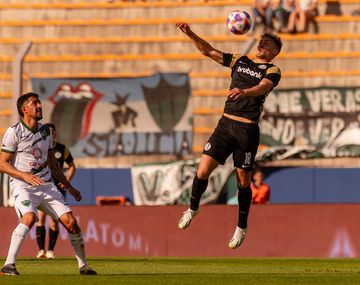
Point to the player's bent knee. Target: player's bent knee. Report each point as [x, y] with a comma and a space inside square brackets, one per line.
[70, 223]
[29, 219]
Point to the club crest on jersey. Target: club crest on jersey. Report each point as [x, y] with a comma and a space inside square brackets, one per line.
[44, 132]
[207, 146]
[57, 154]
[26, 203]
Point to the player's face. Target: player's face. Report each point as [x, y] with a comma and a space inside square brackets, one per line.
[266, 49]
[33, 109]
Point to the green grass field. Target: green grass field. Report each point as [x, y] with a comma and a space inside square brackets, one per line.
[188, 271]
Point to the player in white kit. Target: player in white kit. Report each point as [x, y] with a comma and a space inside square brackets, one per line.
[27, 157]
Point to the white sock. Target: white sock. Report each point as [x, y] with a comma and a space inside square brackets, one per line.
[17, 238]
[78, 244]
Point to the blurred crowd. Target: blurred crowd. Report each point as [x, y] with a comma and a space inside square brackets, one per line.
[285, 16]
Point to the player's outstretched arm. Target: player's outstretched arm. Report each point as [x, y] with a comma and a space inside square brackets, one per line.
[6, 167]
[59, 175]
[203, 46]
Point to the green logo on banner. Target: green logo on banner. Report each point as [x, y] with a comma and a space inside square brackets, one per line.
[26, 203]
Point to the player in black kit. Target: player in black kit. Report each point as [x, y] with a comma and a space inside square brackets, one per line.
[237, 132]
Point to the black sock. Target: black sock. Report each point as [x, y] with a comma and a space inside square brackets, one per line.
[40, 237]
[53, 235]
[244, 198]
[198, 188]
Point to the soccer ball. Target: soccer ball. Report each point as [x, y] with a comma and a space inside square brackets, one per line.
[238, 22]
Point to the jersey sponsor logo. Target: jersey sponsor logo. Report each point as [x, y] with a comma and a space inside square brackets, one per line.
[207, 146]
[249, 71]
[26, 203]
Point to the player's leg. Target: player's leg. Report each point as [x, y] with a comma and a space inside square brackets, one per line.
[25, 204]
[41, 234]
[200, 182]
[55, 205]
[53, 235]
[77, 241]
[248, 137]
[217, 149]
[244, 199]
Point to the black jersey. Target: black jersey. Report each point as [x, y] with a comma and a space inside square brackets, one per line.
[62, 154]
[246, 73]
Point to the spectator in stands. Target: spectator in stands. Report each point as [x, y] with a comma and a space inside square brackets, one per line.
[356, 12]
[282, 10]
[63, 155]
[262, 14]
[305, 12]
[260, 190]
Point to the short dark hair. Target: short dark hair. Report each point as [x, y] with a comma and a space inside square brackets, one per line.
[51, 125]
[276, 39]
[22, 99]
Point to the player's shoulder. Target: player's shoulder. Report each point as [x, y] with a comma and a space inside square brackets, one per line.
[59, 146]
[44, 130]
[272, 68]
[235, 59]
[15, 128]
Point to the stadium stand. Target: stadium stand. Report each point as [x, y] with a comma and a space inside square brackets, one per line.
[103, 39]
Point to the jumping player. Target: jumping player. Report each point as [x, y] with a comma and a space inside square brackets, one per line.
[63, 155]
[27, 157]
[237, 131]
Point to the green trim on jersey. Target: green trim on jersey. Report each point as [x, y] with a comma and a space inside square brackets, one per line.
[7, 151]
[34, 130]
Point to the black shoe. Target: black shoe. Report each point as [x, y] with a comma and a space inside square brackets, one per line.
[87, 270]
[9, 269]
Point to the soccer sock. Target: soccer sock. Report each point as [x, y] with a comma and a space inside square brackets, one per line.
[198, 188]
[17, 238]
[53, 235]
[78, 244]
[40, 237]
[244, 198]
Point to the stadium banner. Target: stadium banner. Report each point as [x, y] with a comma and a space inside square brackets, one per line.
[310, 123]
[319, 231]
[120, 116]
[169, 184]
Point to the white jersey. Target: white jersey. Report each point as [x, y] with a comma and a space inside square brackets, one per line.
[30, 148]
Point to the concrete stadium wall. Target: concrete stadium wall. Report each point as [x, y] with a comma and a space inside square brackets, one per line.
[274, 231]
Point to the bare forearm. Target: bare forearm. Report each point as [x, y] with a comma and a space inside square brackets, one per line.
[71, 172]
[257, 90]
[57, 172]
[11, 170]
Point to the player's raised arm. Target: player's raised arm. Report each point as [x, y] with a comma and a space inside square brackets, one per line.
[203, 46]
[59, 175]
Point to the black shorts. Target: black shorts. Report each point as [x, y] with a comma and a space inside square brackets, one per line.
[233, 137]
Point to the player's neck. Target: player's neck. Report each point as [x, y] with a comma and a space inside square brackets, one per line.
[31, 123]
